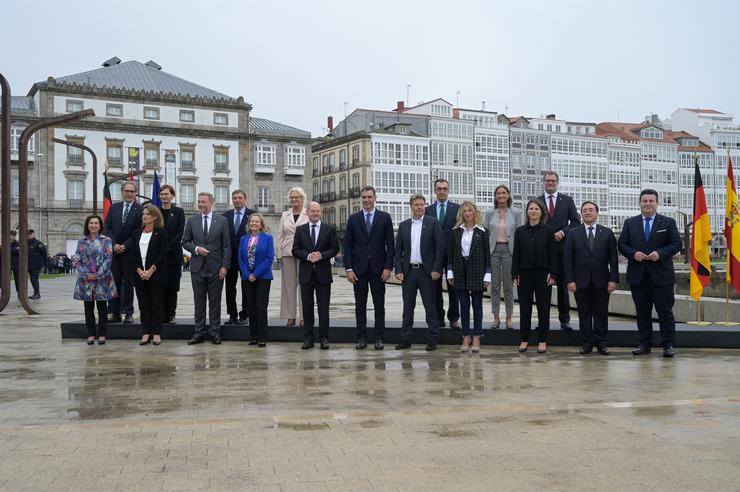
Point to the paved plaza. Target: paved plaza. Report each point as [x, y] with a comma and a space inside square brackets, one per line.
[235, 417]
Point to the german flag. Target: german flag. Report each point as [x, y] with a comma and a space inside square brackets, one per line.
[107, 200]
[701, 237]
[732, 230]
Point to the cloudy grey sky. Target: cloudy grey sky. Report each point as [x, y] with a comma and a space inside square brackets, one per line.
[298, 61]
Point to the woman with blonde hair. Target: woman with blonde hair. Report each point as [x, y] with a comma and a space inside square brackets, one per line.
[290, 301]
[469, 270]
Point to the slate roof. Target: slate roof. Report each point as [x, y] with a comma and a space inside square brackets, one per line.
[22, 105]
[268, 127]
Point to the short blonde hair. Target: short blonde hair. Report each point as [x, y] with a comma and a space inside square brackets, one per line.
[209, 195]
[478, 213]
[263, 224]
[300, 191]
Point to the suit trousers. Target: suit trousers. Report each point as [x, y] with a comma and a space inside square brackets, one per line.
[501, 273]
[563, 296]
[534, 283]
[34, 276]
[232, 277]
[150, 308]
[646, 295]
[258, 298]
[417, 280]
[453, 308]
[123, 278]
[206, 287]
[377, 289]
[288, 288]
[323, 295]
[90, 318]
[593, 314]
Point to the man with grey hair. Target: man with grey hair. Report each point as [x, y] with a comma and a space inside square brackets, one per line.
[207, 238]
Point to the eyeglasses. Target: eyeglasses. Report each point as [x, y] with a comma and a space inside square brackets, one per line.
[129, 191]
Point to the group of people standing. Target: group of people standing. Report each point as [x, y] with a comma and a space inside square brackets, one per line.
[544, 246]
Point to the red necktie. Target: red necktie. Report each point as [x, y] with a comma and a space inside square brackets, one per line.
[552, 208]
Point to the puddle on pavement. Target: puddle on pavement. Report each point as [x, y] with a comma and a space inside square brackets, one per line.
[301, 426]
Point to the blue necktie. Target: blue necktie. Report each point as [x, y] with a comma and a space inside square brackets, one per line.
[237, 221]
[647, 228]
[368, 223]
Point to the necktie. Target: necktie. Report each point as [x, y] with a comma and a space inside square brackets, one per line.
[125, 212]
[442, 213]
[237, 221]
[591, 238]
[313, 234]
[205, 225]
[552, 208]
[647, 228]
[368, 223]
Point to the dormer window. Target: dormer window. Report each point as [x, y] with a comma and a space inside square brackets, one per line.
[690, 142]
[651, 132]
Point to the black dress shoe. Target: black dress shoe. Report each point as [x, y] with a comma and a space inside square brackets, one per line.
[642, 350]
[403, 345]
[128, 319]
[324, 344]
[35, 296]
[441, 324]
[431, 347]
[253, 342]
[114, 318]
[231, 321]
[243, 321]
[261, 344]
[586, 349]
[216, 340]
[669, 352]
[566, 327]
[195, 340]
[361, 344]
[379, 344]
[602, 349]
[307, 344]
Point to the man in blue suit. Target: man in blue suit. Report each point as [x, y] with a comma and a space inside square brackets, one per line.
[122, 220]
[446, 214]
[368, 260]
[649, 241]
[419, 251]
[591, 271]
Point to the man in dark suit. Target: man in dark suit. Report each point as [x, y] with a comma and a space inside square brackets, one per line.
[368, 260]
[315, 244]
[563, 216]
[591, 271]
[446, 214]
[649, 241]
[206, 237]
[237, 221]
[123, 219]
[420, 249]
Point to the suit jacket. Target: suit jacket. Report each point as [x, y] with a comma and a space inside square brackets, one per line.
[263, 256]
[218, 243]
[664, 239]
[583, 266]
[156, 254]
[236, 234]
[478, 263]
[534, 248]
[450, 220]
[432, 246]
[175, 225]
[513, 220]
[116, 230]
[566, 216]
[369, 251]
[326, 243]
[286, 232]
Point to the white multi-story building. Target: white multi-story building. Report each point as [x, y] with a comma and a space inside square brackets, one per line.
[582, 162]
[624, 180]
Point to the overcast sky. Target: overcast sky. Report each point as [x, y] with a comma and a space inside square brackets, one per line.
[297, 62]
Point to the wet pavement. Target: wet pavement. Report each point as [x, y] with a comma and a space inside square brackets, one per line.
[236, 417]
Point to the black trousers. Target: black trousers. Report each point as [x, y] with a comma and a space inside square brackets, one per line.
[258, 298]
[453, 308]
[534, 283]
[323, 294]
[150, 308]
[563, 297]
[232, 277]
[377, 289]
[418, 280]
[34, 276]
[90, 318]
[646, 295]
[169, 297]
[593, 314]
[123, 275]
[15, 278]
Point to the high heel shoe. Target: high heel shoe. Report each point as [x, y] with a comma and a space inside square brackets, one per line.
[91, 341]
[509, 325]
[495, 325]
[476, 345]
[542, 350]
[523, 349]
[291, 322]
[156, 342]
[101, 341]
[146, 342]
[465, 344]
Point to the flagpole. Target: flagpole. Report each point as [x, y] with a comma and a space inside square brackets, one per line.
[698, 321]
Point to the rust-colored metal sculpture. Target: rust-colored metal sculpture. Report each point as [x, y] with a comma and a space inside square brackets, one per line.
[5, 197]
[94, 164]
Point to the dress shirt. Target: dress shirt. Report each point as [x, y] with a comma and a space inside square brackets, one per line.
[123, 209]
[586, 226]
[241, 218]
[146, 237]
[365, 214]
[446, 203]
[318, 230]
[210, 224]
[416, 224]
[465, 242]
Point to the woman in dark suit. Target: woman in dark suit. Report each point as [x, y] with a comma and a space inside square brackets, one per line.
[469, 270]
[256, 253]
[149, 258]
[174, 222]
[533, 267]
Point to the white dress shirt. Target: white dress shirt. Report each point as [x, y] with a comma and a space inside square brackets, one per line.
[318, 230]
[586, 226]
[146, 237]
[416, 240]
[210, 225]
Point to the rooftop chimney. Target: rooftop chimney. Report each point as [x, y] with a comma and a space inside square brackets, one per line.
[550, 116]
[113, 61]
[330, 123]
[153, 64]
[399, 107]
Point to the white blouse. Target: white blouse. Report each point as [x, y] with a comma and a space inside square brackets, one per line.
[146, 237]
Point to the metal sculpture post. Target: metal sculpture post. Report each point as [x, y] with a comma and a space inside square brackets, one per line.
[95, 168]
[5, 195]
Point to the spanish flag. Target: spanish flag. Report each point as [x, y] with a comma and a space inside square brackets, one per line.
[701, 237]
[732, 230]
[106, 196]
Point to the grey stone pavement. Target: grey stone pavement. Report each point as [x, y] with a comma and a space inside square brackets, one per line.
[235, 417]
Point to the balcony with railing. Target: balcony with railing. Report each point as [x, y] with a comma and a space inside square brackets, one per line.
[354, 191]
[75, 203]
[314, 172]
[264, 167]
[16, 201]
[342, 166]
[343, 194]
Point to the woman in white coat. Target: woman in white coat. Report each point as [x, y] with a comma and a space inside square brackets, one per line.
[290, 301]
